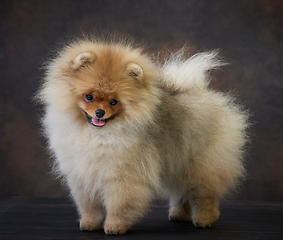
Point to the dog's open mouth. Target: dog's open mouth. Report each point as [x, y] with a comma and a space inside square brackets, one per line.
[94, 121]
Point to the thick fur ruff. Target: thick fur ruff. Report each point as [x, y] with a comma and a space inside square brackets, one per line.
[122, 127]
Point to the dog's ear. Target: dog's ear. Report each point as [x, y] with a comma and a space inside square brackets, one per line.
[134, 70]
[83, 59]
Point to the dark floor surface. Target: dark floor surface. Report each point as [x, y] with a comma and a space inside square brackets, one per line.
[57, 219]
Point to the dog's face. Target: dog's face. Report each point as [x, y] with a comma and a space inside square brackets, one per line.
[99, 107]
[105, 85]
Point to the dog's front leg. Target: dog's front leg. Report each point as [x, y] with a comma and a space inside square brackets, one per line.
[126, 201]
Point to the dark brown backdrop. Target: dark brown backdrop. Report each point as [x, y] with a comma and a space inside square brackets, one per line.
[249, 34]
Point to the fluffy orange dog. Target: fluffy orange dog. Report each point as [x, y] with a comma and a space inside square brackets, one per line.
[122, 127]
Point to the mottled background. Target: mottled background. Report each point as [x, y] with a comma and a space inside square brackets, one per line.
[249, 34]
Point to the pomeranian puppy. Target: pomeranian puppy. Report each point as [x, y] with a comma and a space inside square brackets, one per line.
[122, 126]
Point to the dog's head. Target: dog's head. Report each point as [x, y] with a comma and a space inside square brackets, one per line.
[106, 82]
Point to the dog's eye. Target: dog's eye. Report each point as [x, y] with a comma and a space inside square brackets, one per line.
[89, 98]
[113, 102]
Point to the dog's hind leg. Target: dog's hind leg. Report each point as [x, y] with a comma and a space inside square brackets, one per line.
[180, 209]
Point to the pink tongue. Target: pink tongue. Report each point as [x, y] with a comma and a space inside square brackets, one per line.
[98, 122]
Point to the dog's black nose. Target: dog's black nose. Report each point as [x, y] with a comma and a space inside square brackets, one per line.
[99, 113]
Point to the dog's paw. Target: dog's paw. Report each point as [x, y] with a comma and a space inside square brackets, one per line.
[89, 225]
[205, 218]
[115, 229]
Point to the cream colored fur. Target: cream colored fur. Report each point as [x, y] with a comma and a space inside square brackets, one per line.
[173, 134]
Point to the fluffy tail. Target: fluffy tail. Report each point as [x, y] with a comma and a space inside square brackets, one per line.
[183, 74]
